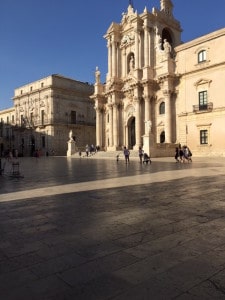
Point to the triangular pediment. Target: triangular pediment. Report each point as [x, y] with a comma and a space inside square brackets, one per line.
[203, 81]
[161, 124]
[113, 27]
[129, 83]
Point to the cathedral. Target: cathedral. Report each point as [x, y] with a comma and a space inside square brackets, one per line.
[159, 92]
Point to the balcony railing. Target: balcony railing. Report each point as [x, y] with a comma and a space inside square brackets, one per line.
[52, 121]
[56, 121]
[204, 107]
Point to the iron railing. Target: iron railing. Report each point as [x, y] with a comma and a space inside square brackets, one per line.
[204, 107]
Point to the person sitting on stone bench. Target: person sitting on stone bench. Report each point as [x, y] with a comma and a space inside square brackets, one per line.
[146, 159]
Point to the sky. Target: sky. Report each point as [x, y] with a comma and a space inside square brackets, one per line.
[44, 37]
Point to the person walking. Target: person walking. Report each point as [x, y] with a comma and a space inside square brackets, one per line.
[126, 153]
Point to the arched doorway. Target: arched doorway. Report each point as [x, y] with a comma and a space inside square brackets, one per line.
[131, 133]
[162, 137]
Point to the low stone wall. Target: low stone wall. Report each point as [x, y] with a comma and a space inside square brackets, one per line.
[163, 150]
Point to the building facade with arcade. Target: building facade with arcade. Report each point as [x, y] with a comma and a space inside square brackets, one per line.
[44, 113]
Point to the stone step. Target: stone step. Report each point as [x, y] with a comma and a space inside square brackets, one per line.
[108, 154]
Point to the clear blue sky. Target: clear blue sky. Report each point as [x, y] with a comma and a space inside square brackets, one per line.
[40, 38]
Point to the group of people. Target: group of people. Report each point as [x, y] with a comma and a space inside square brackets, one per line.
[89, 150]
[144, 157]
[183, 154]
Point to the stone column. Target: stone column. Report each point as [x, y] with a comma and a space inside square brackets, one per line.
[115, 125]
[114, 60]
[147, 111]
[109, 45]
[110, 125]
[137, 123]
[168, 129]
[124, 63]
[98, 127]
[146, 46]
[126, 142]
[137, 49]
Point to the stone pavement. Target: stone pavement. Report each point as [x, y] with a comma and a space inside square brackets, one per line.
[98, 229]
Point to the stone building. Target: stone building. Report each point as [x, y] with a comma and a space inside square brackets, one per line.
[201, 102]
[7, 136]
[44, 113]
[160, 92]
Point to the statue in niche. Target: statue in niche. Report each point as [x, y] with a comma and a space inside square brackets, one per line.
[131, 63]
[167, 47]
[97, 75]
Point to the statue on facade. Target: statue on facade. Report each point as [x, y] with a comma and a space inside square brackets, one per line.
[131, 63]
[167, 47]
[97, 75]
[71, 135]
[159, 43]
[148, 126]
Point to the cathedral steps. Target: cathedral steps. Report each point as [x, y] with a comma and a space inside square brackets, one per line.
[108, 154]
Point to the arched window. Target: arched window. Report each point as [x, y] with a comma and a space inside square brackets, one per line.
[162, 137]
[201, 56]
[162, 108]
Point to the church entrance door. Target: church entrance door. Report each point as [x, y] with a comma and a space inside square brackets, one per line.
[131, 133]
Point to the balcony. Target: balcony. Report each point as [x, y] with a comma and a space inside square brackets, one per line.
[41, 123]
[61, 121]
[203, 108]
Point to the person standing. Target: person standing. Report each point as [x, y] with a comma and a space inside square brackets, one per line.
[126, 153]
[140, 153]
[176, 156]
[87, 150]
[181, 154]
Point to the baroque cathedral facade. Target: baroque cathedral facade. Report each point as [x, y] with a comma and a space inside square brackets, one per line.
[160, 92]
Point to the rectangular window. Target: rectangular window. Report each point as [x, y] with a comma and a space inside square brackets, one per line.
[42, 117]
[203, 137]
[73, 117]
[203, 100]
